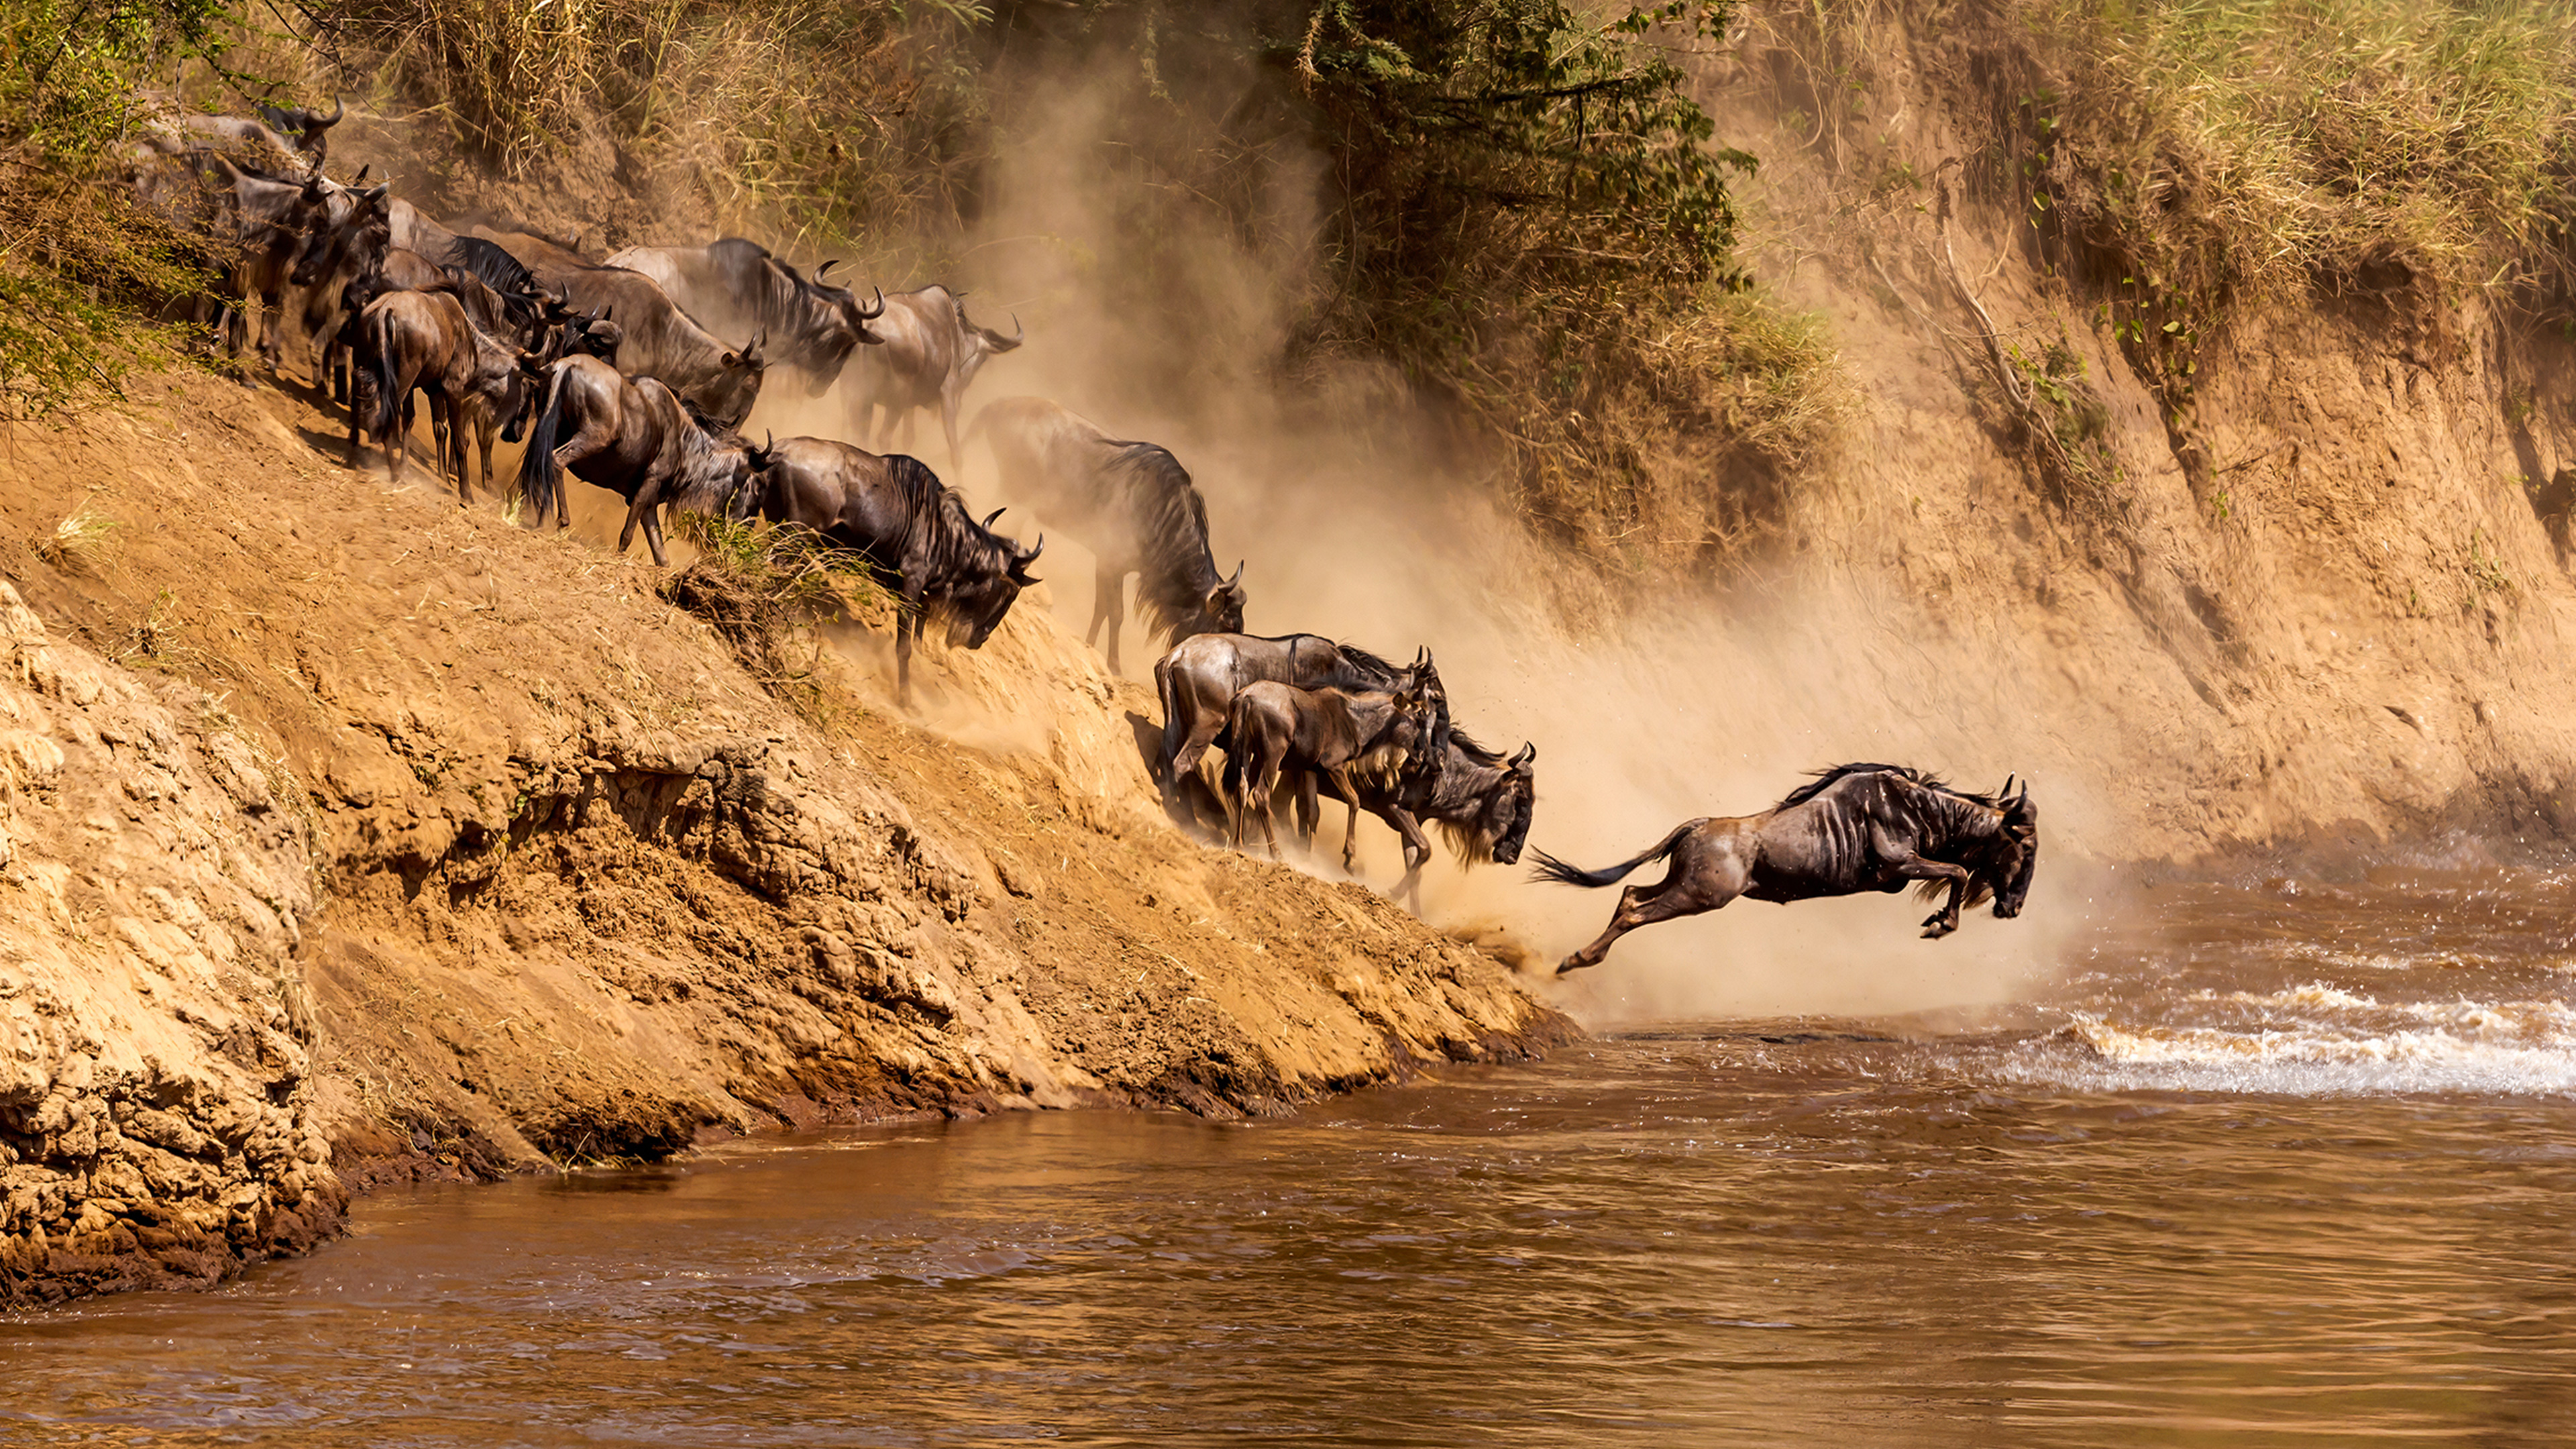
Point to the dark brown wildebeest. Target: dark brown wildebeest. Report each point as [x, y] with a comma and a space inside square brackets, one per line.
[1277, 730]
[634, 437]
[735, 288]
[348, 240]
[1198, 680]
[1131, 504]
[1479, 800]
[425, 340]
[1853, 828]
[931, 352]
[895, 512]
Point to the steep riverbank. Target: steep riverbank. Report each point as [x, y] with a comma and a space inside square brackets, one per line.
[344, 819]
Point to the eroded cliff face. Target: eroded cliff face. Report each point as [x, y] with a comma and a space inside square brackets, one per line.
[156, 1122]
[452, 847]
[2317, 587]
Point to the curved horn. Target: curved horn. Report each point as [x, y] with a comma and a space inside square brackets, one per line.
[2006, 792]
[828, 265]
[339, 108]
[1035, 549]
[870, 315]
[988, 519]
[1528, 752]
[361, 176]
[1019, 334]
[1236, 582]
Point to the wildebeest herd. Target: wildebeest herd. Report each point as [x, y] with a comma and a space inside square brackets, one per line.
[635, 372]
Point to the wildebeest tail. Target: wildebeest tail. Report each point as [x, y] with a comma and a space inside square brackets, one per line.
[1551, 868]
[538, 478]
[380, 366]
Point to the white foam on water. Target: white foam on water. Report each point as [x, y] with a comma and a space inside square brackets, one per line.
[2518, 1048]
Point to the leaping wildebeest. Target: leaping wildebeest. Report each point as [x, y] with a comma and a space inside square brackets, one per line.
[634, 437]
[1275, 731]
[1132, 504]
[1853, 828]
[734, 288]
[893, 511]
[931, 352]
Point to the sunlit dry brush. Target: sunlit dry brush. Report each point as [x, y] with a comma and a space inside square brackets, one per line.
[764, 587]
[80, 542]
[820, 122]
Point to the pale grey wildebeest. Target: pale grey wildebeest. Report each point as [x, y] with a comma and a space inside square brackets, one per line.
[894, 512]
[1853, 828]
[1276, 732]
[1132, 504]
[1198, 680]
[735, 288]
[930, 353]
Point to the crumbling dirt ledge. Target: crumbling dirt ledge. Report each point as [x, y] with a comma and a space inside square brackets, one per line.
[355, 836]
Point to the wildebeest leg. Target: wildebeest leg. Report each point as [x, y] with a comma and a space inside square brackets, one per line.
[1310, 809]
[1108, 606]
[442, 428]
[397, 444]
[907, 627]
[642, 509]
[1705, 875]
[595, 434]
[1914, 867]
[1417, 853]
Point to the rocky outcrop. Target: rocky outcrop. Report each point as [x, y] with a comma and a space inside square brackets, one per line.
[156, 1123]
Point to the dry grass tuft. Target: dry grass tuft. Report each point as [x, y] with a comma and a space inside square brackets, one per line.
[81, 542]
[763, 587]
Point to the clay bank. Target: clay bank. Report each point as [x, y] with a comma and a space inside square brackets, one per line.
[458, 856]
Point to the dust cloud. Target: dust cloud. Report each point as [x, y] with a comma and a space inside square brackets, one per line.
[1160, 319]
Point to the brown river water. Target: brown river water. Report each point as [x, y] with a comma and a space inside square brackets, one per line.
[2265, 1164]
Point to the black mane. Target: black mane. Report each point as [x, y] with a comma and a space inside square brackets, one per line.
[1475, 753]
[1825, 778]
[496, 268]
[1176, 573]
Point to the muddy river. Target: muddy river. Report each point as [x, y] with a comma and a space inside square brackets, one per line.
[2270, 1163]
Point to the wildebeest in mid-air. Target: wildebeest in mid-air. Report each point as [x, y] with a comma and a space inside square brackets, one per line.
[931, 352]
[634, 437]
[893, 511]
[1278, 731]
[1132, 504]
[1853, 828]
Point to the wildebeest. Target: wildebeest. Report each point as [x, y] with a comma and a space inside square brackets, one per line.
[893, 511]
[347, 241]
[1198, 680]
[1853, 828]
[931, 352]
[308, 130]
[1480, 800]
[416, 231]
[634, 437]
[256, 227]
[425, 340]
[734, 288]
[1131, 504]
[1275, 731]
[661, 342]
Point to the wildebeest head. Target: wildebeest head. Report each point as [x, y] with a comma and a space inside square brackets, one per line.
[348, 232]
[1505, 820]
[974, 606]
[1225, 605]
[527, 393]
[2016, 857]
[305, 125]
[844, 328]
